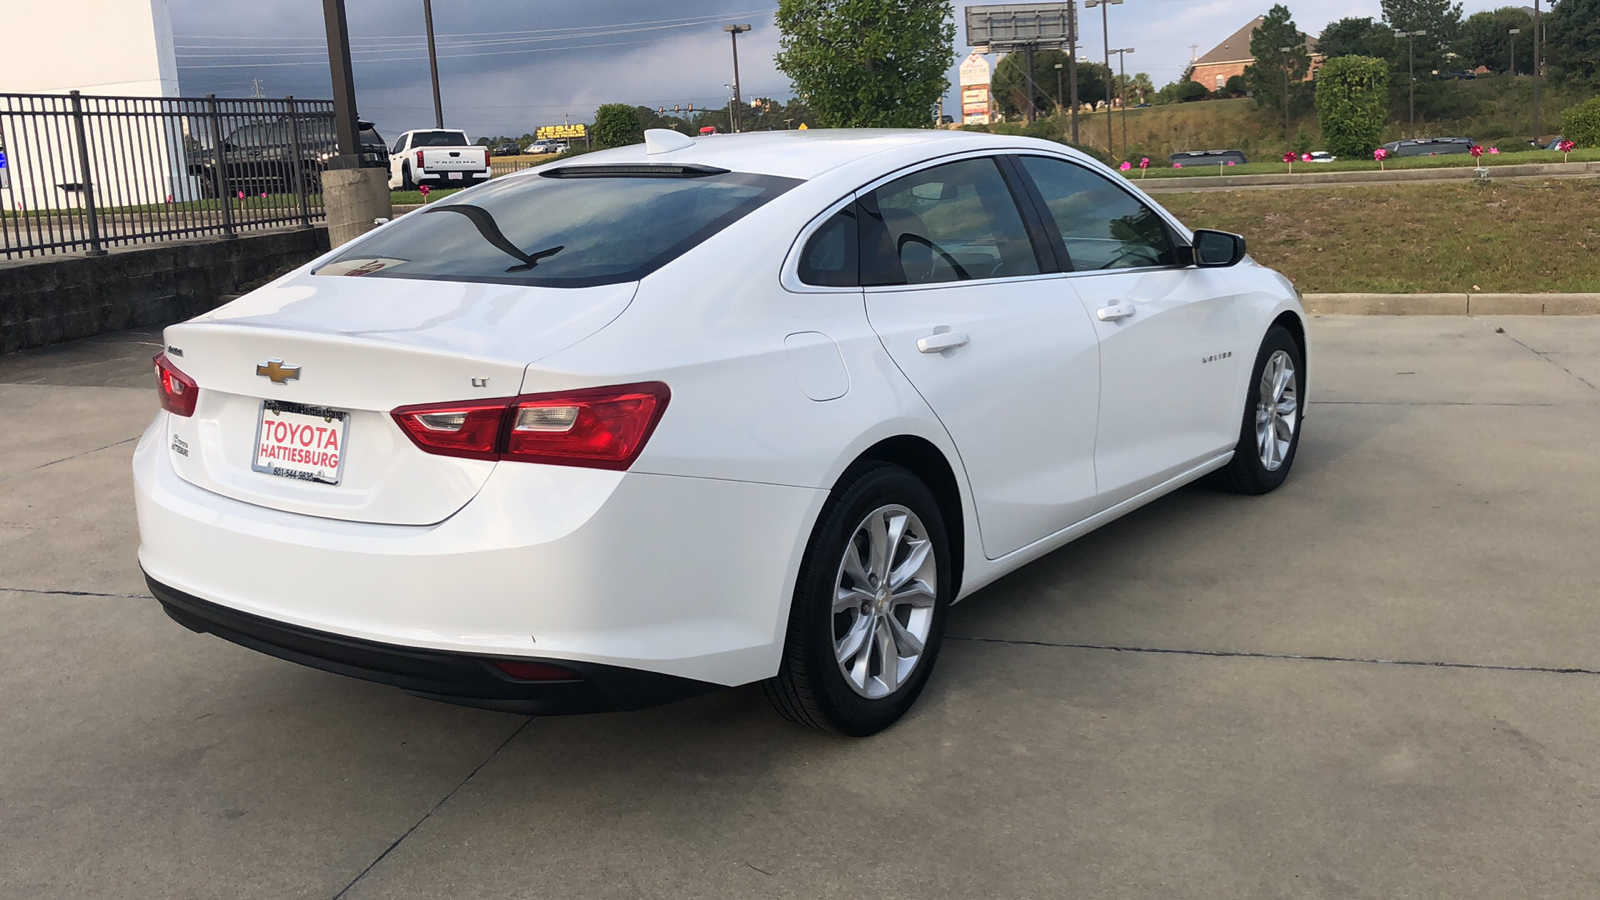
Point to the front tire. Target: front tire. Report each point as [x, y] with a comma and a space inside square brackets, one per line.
[869, 606]
[1269, 434]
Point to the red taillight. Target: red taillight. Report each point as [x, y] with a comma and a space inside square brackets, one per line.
[419, 162]
[533, 671]
[178, 391]
[601, 428]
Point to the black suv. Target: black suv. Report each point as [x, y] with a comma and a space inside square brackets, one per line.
[261, 157]
[1429, 147]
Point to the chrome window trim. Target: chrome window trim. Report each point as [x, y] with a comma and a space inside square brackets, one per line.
[790, 276]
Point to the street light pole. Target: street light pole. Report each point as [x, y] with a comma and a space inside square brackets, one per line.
[1105, 34]
[1538, 76]
[733, 33]
[1060, 101]
[1072, 63]
[344, 84]
[433, 65]
[1122, 69]
[1514, 32]
[1286, 92]
[1411, 69]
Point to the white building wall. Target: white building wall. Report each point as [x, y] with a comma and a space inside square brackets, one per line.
[121, 48]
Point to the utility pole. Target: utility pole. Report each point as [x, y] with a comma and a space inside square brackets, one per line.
[733, 33]
[1122, 68]
[1538, 77]
[1072, 63]
[1514, 33]
[1027, 66]
[433, 65]
[1105, 34]
[1411, 69]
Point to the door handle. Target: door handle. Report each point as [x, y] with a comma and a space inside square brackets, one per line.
[1113, 313]
[944, 340]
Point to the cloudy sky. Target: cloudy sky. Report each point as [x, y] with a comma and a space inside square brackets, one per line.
[507, 66]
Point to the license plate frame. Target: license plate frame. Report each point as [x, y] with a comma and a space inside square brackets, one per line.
[302, 471]
[456, 176]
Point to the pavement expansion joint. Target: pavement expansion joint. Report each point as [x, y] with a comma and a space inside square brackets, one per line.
[1296, 657]
[70, 458]
[12, 590]
[1546, 358]
[435, 808]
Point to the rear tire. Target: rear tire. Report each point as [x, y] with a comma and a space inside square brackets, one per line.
[857, 608]
[1269, 433]
[406, 183]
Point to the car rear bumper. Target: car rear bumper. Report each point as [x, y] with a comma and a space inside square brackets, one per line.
[461, 678]
[684, 577]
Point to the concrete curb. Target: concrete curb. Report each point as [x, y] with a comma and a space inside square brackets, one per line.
[1461, 173]
[1483, 304]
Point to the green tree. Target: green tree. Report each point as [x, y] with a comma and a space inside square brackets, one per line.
[1352, 104]
[1009, 83]
[1440, 19]
[1356, 37]
[1278, 74]
[1236, 86]
[867, 63]
[1572, 37]
[1581, 124]
[616, 125]
[1484, 39]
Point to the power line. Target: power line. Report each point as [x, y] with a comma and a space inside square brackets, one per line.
[564, 31]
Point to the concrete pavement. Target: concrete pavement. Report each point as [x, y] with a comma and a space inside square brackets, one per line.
[1379, 681]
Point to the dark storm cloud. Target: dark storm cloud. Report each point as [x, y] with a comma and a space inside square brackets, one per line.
[569, 56]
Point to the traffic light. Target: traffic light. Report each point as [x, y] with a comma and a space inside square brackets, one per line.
[677, 108]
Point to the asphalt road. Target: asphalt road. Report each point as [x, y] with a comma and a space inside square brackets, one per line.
[1381, 681]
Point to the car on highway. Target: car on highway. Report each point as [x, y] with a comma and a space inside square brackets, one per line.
[696, 413]
[1207, 158]
[1429, 147]
[506, 148]
[546, 147]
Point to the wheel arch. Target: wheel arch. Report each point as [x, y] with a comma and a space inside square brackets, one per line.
[928, 463]
[1296, 326]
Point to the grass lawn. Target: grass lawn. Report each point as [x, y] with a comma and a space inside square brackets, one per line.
[1512, 237]
[1160, 168]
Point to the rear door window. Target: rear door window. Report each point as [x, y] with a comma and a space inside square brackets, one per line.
[558, 231]
[953, 222]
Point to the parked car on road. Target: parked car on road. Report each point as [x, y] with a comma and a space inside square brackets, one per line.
[1555, 144]
[701, 413]
[507, 148]
[543, 148]
[1322, 156]
[262, 157]
[439, 157]
[1208, 158]
[1429, 147]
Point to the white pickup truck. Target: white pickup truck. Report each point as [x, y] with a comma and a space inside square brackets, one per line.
[437, 157]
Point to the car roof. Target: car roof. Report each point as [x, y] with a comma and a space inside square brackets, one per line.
[805, 154]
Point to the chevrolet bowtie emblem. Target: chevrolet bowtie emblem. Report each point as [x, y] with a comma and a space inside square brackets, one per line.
[277, 371]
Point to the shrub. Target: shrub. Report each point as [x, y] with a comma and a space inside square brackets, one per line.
[1581, 124]
[1190, 91]
[1352, 95]
[616, 125]
[1236, 86]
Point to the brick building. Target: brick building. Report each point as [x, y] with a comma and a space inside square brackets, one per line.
[1230, 57]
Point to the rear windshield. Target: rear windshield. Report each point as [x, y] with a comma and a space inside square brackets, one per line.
[439, 139]
[559, 231]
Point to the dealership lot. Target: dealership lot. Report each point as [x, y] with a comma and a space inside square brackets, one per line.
[1381, 680]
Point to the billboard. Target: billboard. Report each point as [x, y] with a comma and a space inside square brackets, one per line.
[975, 90]
[1009, 26]
[562, 132]
[974, 69]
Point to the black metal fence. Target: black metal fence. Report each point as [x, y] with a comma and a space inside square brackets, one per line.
[86, 173]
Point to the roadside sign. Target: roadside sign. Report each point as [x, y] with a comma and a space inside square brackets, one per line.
[974, 69]
[562, 132]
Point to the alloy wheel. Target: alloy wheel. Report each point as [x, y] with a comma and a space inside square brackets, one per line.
[883, 601]
[1277, 409]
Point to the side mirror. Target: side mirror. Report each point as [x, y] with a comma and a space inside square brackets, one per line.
[1217, 249]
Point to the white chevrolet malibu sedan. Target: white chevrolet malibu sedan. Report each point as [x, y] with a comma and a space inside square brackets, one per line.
[698, 413]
